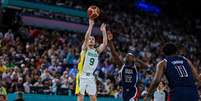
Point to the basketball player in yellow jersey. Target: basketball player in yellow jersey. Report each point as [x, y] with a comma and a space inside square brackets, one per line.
[85, 80]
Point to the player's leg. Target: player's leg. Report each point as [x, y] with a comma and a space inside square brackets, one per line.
[81, 93]
[80, 88]
[129, 94]
[91, 89]
[80, 97]
[126, 96]
[93, 98]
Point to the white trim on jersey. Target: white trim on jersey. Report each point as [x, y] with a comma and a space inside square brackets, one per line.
[134, 97]
[120, 71]
[136, 74]
[136, 91]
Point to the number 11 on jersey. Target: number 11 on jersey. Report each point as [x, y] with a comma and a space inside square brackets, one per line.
[181, 71]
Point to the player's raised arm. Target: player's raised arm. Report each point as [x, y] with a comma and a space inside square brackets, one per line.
[195, 73]
[88, 33]
[113, 50]
[104, 44]
[144, 64]
[160, 68]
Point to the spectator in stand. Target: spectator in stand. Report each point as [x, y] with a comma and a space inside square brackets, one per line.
[27, 85]
[3, 92]
[46, 75]
[9, 37]
[2, 97]
[2, 67]
[1, 35]
[70, 57]
[160, 94]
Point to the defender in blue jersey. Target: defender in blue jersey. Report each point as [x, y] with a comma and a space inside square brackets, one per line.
[129, 75]
[180, 73]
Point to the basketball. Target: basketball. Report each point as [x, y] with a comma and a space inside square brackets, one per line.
[93, 12]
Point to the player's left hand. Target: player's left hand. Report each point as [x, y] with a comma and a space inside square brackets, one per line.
[103, 27]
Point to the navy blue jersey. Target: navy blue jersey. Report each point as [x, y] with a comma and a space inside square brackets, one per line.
[128, 81]
[181, 82]
[129, 75]
[178, 72]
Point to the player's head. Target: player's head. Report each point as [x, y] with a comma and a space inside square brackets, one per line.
[130, 58]
[131, 55]
[169, 49]
[91, 42]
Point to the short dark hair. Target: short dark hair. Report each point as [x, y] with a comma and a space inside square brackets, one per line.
[169, 49]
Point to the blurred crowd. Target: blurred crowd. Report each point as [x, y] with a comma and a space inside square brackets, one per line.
[36, 57]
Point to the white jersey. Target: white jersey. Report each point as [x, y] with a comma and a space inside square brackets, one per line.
[90, 63]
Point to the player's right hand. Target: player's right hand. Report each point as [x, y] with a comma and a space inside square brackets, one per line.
[91, 22]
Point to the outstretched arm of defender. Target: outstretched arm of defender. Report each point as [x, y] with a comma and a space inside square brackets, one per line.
[104, 44]
[144, 64]
[158, 75]
[113, 50]
[88, 33]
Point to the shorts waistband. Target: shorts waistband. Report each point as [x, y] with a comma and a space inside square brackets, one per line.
[87, 74]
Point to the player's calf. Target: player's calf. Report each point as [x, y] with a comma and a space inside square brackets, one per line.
[80, 97]
[92, 97]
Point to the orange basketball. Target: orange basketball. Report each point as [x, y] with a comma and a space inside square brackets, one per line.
[93, 12]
